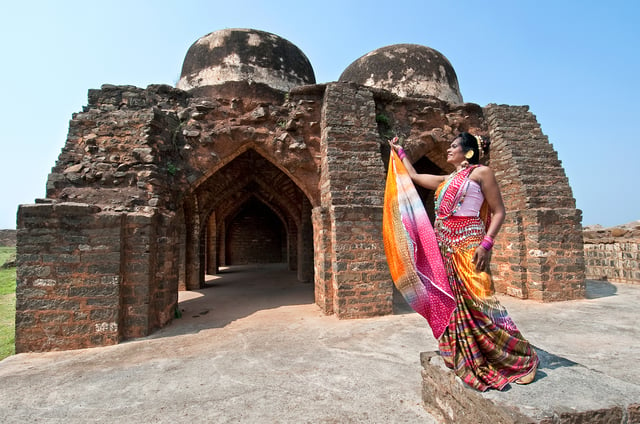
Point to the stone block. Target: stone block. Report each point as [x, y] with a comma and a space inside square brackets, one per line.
[563, 392]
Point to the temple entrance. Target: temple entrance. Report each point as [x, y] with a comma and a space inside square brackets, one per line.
[248, 212]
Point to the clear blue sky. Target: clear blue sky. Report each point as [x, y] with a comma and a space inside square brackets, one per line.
[575, 63]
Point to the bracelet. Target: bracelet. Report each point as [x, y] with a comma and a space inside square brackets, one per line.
[401, 153]
[487, 243]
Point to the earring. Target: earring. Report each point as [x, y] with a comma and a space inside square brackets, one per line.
[469, 154]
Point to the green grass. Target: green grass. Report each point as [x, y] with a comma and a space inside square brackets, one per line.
[7, 304]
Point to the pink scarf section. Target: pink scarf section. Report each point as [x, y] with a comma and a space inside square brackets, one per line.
[412, 251]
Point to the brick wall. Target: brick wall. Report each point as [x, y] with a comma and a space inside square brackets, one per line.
[91, 278]
[539, 252]
[613, 254]
[352, 186]
[158, 175]
[68, 277]
[256, 235]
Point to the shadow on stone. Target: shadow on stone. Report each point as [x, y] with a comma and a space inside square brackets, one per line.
[551, 362]
[598, 289]
[235, 293]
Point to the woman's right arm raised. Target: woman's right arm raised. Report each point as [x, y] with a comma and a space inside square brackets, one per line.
[427, 181]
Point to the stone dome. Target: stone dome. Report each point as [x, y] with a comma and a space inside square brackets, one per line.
[245, 55]
[407, 70]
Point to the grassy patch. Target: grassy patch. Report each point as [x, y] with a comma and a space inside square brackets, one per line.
[7, 304]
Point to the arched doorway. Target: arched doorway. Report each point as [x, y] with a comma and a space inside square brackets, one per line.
[248, 211]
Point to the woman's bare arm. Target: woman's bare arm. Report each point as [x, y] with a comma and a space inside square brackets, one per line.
[427, 181]
[491, 191]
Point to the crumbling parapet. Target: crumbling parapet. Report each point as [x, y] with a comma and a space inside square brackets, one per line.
[539, 253]
[613, 254]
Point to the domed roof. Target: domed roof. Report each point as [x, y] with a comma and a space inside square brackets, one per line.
[407, 70]
[245, 55]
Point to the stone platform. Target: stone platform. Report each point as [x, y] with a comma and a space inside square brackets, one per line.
[589, 365]
[563, 392]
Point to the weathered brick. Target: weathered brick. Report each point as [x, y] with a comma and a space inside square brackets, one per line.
[168, 184]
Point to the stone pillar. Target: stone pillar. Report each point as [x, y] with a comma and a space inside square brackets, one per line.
[305, 245]
[150, 271]
[352, 191]
[539, 253]
[193, 240]
[166, 264]
[322, 259]
[181, 249]
[137, 271]
[292, 233]
[222, 243]
[212, 242]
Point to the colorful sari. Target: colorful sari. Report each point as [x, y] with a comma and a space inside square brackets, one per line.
[412, 251]
[481, 343]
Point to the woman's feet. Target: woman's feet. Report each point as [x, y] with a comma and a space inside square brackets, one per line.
[529, 377]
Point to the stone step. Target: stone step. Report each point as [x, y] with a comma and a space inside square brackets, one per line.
[563, 392]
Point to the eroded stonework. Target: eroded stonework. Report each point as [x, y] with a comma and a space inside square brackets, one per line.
[407, 70]
[245, 55]
[157, 187]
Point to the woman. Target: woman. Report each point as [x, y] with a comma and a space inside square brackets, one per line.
[481, 343]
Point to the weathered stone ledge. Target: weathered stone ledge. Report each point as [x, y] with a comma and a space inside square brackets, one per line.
[596, 234]
[613, 254]
[563, 392]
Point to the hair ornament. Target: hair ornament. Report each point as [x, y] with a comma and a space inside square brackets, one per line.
[469, 154]
[481, 144]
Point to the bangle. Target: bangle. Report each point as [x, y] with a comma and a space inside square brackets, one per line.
[401, 153]
[487, 243]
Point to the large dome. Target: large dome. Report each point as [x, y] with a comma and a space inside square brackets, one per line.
[245, 55]
[407, 70]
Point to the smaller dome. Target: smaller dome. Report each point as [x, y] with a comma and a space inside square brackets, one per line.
[407, 70]
[245, 55]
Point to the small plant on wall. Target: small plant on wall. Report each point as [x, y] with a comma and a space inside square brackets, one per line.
[172, 168]
[385, 125]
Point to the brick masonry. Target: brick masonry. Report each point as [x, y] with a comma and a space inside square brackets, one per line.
[539, 253]
[68, 277]
[8, 238]
[156, 187]
[613, 254]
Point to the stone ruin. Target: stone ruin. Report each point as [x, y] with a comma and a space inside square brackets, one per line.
[613, 254]
[249, 160]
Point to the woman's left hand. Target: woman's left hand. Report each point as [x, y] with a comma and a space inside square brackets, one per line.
[481, 258]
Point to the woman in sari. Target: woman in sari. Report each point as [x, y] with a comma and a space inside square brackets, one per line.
[481, 343]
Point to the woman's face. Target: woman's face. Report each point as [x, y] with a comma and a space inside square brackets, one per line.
[455, 155]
